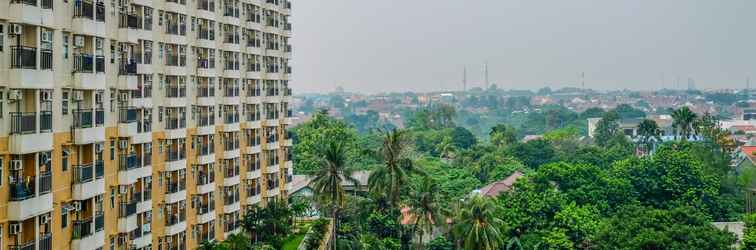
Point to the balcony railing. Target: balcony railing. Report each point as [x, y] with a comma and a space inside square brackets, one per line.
[127, 67]
[205, 91]
[100, 11]
[83, 63]
[128, 162]
[100, 64]
[175, 91]
[129, 21]
[84, 9]
[82, 228]
[27, 2]
[206, 207]
[99, 221]
[175, 123]
[23, 246]
[204, 178]
[23, 57]
[99, 117]
[45, 242]
[175, 187]
[26, 122]
[127, 209]
[83, 118]
[175, 218]
[23, 189]
[127, 115]
[83, 173]
[45, 57]
[231, 117]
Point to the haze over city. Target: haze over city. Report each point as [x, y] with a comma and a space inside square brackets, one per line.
[393, 45]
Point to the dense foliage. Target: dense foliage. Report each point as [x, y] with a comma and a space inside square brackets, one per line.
[577, 193]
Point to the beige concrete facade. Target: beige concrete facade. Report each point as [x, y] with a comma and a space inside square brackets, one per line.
[142, 124]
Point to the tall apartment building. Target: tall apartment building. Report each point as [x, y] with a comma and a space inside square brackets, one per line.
[140, 124]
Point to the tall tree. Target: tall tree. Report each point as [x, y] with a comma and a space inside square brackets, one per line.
[683, 122]
[328, 180]
[388, 179]
[607, 129]
[425, 209]
[503, 135]
[649, 133]
[477, 226]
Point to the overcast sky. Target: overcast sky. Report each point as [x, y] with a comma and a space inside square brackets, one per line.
[421, 45]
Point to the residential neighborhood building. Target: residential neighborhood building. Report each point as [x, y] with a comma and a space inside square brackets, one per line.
[144, 124]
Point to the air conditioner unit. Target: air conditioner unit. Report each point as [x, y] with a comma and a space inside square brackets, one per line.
[14, 228]
[16, 29]
[123, 144]
[77, 206]
[78, 41]
[44, 219]
[15, 95]
[78, 95]
[16, 165]
[46, 36]
[45, 96]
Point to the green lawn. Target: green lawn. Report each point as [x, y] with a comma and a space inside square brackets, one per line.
[293, 242]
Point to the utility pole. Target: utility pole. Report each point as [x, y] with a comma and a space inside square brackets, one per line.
[464, 78]
[485, 75]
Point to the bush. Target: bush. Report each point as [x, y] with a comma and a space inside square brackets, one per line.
[315, 235]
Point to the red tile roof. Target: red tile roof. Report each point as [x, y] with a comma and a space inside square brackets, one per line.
[750, 152]
[494, 189]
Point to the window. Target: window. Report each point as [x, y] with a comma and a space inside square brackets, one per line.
[112, 100]
[64, 161]
[65, 45]
[63, 216]
[112, 197]
[112, 149]
[64, 102]
[2, 161]
[2, 93]
[2, 38]
[112, 51]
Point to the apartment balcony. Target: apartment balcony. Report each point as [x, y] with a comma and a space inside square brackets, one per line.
[231, 122]
[127, 125]
[127, 75]
[205, 155]
[272, 169]
[174, 33]
[39, 13]
[254, 173]
[205, 96]
[273, 192]
[206, 67]
[176, 5]
[205, 183]
[88, 72]
[130, 169]
[254, 199]
[175, 223]
[30, 68]
[204, 215]
[231, 99]
[206, 9]
[30, 197]
[128, 28]
[45, 243]
[144, 200]
[141, 239]
[89, 126]
[89, 234]
[175, 160]
[30, 132]
[206, 124]
[144, 132]
[127, 217]
[231, 205]
[231, 176]
[89, 18]
[88, 180]
[175, 192]
[175, 96]
[175, 65]
[232, 70]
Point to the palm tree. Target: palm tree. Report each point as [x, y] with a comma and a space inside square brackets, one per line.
[446, 148]
[649, 133]
[328, 180]
[394, 174]
[424, 209]
[477, 227]
[683, 121]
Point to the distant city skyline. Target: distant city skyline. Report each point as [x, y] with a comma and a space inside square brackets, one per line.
[424, 45]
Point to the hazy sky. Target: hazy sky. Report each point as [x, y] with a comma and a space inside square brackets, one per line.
[400, 45]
